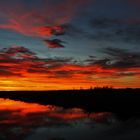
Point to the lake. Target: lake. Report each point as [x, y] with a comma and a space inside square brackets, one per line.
[32, 121]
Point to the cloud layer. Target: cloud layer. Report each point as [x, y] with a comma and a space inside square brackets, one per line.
[20, 62]
[34, 21]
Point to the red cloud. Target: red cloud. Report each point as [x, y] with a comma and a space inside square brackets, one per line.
[55, 43]
[20, 59]
[43, 22]
[51, 30]
[24, 64]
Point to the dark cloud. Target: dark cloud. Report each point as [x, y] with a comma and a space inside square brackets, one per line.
[104, 22]
[54, 43]
[122, 74]
[124, 58]
[118, 58]
[135, 2]
[17, 60]
[4, 72]
[16, 51]
[115, 29]
[72, 30]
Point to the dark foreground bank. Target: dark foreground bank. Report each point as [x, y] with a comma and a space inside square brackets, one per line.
[110, 100]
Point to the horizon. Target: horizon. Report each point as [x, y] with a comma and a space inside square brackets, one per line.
[78, 89]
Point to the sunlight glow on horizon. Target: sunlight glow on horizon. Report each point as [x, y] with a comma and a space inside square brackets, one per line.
[35, 83]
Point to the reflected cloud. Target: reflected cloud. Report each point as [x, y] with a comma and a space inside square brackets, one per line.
[14, 111]
[20, 120]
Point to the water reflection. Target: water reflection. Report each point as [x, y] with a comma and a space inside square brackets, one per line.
[27, 121]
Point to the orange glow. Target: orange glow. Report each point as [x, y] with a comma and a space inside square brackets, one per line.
[81, 78]
[24, 108]
[21, 69]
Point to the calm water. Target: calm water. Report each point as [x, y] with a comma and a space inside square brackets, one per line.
[31, 121]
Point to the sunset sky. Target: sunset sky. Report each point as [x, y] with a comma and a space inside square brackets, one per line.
[69, 44]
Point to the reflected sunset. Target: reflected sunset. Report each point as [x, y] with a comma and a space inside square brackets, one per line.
[20, 112]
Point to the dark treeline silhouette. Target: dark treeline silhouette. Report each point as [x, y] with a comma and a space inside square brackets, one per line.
[98, 99]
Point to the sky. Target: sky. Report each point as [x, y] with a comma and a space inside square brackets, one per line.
[69, 44]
